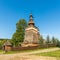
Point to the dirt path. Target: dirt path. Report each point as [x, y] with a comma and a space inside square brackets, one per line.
[27, 56]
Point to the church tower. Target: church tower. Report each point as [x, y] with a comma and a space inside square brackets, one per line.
[31, 33]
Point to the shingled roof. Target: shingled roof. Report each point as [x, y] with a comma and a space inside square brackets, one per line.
[31, 20]
[7, 43]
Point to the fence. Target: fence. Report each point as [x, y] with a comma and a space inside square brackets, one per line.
[33, 47]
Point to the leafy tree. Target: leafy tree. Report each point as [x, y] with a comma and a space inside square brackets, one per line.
[18, 36]
[0, 44]
[2, 41]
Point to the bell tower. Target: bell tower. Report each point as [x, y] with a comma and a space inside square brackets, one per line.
[31, 33]
[31, 22]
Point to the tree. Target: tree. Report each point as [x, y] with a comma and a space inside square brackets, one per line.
[58, 43]
[54, 41]
[48, 39]
[18, 36]
[41, 40]
[2, 41]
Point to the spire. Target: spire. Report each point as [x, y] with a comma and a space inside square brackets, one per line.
[31, 17]
[31, 22]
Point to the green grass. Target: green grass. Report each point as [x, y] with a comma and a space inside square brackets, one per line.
[13, 52]
[51, 54]
[1, 51]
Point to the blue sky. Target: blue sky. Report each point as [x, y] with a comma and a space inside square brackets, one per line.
[46, 16]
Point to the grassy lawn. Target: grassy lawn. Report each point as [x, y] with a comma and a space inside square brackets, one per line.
[1, 51]
[51, 54]
[13, 52]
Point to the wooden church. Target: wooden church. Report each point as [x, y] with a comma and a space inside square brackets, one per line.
[31, 34]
